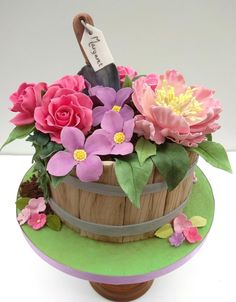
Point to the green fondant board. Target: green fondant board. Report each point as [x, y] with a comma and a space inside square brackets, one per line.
[69, 249]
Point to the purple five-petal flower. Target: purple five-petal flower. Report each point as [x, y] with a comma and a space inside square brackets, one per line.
[80, 153]
[176, 239]
[111, 100]
[118, 131]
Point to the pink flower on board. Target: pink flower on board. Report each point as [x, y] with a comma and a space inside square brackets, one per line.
[24, 215]
[181, 113]
[37, 205]
[37, 221]
[192, 235]
[111, 100]
[25, 100]
[63, 107]
[126, 70]
[181, 223]
[80, 154]
[73, 82]
[118, 131]
[176, 239]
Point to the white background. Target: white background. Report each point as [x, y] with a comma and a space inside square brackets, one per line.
[38, 44]
[198, 38]
[208, 276]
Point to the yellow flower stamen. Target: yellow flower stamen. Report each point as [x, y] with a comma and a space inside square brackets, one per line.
[119, 137]
[116, 108]
[80, 154]
[184, 104]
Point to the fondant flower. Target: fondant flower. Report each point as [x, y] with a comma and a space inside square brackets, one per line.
[176, 239]
[36, 205]
[62, 107]
[192, 235]
[111, 100]
[37, 221]
[73, 82]
[80, 153]
[175, 111]
[118, 131]
[181, 223]
[126, 70]
[25, 100]
[23, 216]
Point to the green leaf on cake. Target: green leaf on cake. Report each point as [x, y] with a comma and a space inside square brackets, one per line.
[127, 82]
[172, 161]
[144, 149]
[54, 222]
[56, 180]
[214, 154]
[209, 137]
[39, 138]
[49, 150]
[21, 203]
[17, 133]
[165, 231]
[132, 177]
[198, 221]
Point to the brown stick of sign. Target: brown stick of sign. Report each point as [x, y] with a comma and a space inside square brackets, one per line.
[123, 292]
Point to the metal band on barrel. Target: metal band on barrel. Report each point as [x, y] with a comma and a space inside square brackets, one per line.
[111, 190]
[115, 230]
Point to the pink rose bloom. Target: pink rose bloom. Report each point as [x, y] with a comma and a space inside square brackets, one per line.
[62, 107]
[37, 221]
[25, 100]
[183, 114]
[36, 205]
[74, 82]
[126, 70]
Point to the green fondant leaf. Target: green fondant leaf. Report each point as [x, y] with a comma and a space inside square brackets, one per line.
[172, 161]
[209, 137]
[127, 82]
[21, 203]
[49, 150]
[132, 176]
[144, 149]
[39, 138]
[53, 222]
[165, 231]
[17, 133]
[56, 180]
[214, 154]
[198, 221]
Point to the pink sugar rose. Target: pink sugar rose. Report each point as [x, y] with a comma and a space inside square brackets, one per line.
[25, 100]
[173, 110]
[37, 221]
[126, 70]
[62, 107]
[74, 82]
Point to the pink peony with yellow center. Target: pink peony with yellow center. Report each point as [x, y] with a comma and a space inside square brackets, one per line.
[173, 110]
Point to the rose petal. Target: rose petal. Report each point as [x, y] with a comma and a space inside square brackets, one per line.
[61, 163]
[72, 138]
[122, 95]
[90, 169]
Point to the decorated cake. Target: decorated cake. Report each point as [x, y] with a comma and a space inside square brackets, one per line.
[116, 151]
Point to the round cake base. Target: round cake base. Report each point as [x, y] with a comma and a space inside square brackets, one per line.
[121, 271]
[122, 292]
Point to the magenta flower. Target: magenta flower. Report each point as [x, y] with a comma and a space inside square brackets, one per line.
[118, 131]
[111, 100]
[37, 221]
[80, 153]
[192, 235]
[176, 239]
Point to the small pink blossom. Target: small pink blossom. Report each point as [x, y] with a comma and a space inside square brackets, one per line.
[181, 223]
[23, 216]
[126, 70]
[25, 100]
[192, 235]
[37, 221]
[36, 205]
[176, 239]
